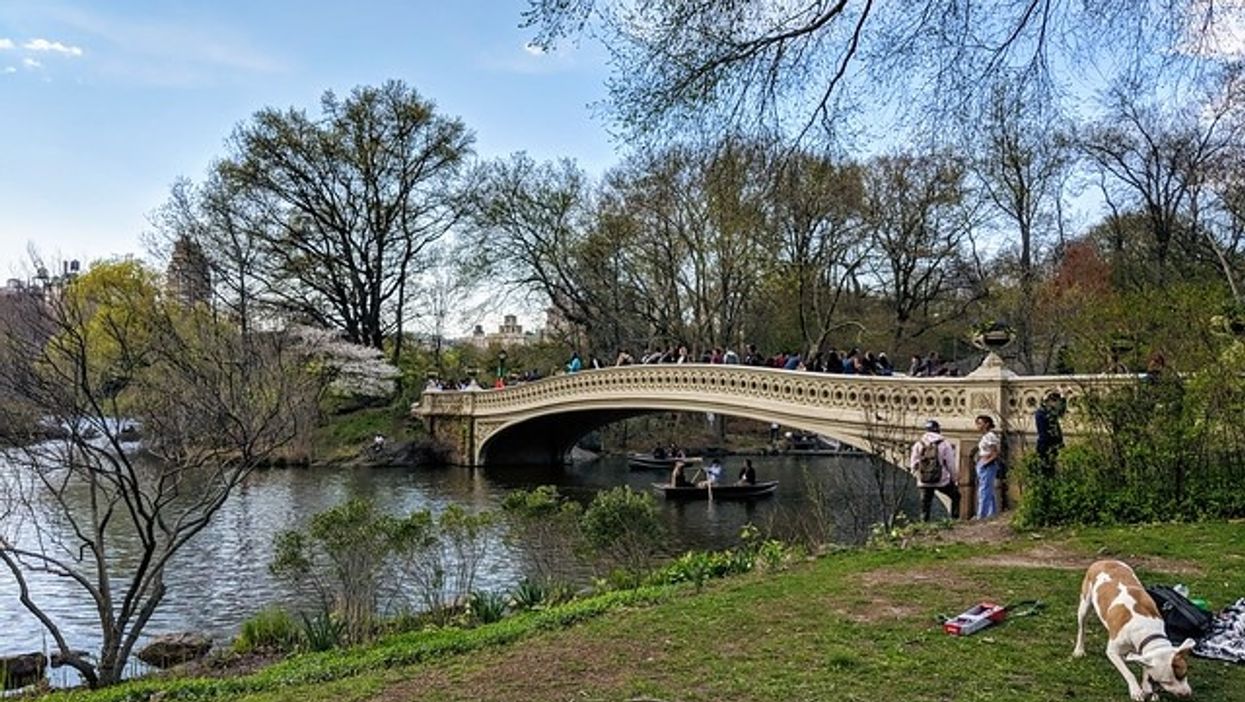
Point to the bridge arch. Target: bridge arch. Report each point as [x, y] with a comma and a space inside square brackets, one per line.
[546, 435]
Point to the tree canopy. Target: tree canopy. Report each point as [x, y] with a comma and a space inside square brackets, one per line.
[827, 66]
[327, 218]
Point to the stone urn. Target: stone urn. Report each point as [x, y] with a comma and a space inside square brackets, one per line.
[993, 337]
[174, 649]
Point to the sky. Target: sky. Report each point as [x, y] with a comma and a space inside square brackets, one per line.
[103, 104]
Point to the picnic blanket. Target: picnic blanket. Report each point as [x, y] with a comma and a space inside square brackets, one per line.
[1225, 639]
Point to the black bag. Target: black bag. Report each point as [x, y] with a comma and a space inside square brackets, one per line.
[1183, 618]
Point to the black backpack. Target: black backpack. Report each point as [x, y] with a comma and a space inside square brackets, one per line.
[1182, 618]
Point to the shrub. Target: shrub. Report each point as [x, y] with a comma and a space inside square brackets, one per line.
[270, 629]
[528, 594]
[486, 607]
[622, 529]
[344, 556]
[1167, 448]
[444, 566]
[323, 632]
[543, 528]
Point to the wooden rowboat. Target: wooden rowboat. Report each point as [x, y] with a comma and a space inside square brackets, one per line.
[646, 461]
[720, 492]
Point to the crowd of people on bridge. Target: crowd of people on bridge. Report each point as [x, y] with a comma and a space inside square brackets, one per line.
[852, 361]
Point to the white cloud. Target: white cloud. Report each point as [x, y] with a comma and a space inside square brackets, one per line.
[53, 46]
[31, 63]
[6, 43]
[530, 59]
[8, 69]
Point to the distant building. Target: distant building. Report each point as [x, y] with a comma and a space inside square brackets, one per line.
[23, 303]
[509, 333]
[188, 277]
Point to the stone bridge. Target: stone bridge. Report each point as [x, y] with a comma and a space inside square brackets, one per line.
[539, 422]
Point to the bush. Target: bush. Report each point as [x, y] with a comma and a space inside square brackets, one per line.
[323, 632]
[345, 555]
[697, 567]
[528, 594]
[543, 528]
[270, 629]
[622, 528]
[444, 567]
[486, 607]
[1168, 448]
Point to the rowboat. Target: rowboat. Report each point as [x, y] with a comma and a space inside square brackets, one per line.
[720, 492]
[807, 443]
[646, 461]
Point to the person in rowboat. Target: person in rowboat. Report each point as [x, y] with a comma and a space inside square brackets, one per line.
[747, 476]
[677, 477]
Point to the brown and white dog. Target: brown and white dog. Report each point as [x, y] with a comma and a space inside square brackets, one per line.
[1135, 631]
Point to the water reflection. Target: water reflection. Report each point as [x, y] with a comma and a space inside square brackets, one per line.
[222, 577]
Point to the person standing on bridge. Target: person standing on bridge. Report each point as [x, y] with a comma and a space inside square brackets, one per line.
[933, 462]
[1049, 431]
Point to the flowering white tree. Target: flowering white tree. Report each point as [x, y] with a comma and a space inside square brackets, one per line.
[353, 371]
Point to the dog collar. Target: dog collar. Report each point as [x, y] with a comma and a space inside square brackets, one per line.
[1148, 640]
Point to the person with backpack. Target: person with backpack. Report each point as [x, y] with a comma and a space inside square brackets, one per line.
[933, 462]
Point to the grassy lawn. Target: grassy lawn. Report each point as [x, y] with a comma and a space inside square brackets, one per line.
[348, 436]
[855, 625]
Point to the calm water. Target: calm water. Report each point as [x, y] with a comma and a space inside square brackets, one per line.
[221, 577]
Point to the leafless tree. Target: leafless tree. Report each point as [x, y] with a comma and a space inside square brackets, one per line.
[96, 357]
[918, 217]
[356, 196]
[801, 68]
[231, 228]
[1160, 162]
[1023, 158]
[540, 230]
[816, 210]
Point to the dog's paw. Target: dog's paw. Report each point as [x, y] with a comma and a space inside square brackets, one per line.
[1078, 652]
[1138, 695]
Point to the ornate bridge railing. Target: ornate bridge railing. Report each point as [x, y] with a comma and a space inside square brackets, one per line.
[885, 413]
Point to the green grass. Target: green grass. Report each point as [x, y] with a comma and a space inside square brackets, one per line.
[855, 625]
[347, 436]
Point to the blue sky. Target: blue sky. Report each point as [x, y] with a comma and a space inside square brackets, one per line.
[104, 103]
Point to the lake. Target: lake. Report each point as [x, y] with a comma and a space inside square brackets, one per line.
[221, 577]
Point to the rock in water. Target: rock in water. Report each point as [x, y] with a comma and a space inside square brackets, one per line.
[20, 671]
[174, 649]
